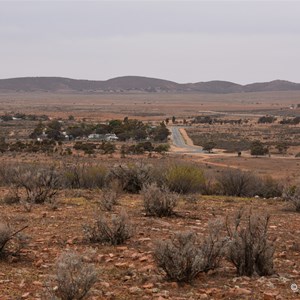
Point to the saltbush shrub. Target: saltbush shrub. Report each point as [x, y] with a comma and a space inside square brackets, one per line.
[158, 201]
[292, 195]
[248, 248]
[73, 278]
[238, 183]
[182, 257]
[108, 199]
[114, 232]
[131, 177]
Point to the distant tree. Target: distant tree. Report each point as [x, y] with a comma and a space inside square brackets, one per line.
[266, 119]
[208, 146]
[167, 121]
[55, 124]
[107, 147]
[54, 134]
[173, 119]
[140, 134]
[282, 147]
[115, 123]
[162, 148]
[126, 120]
[71, 118]
[38, 130]
[161, 133]
[257, 148]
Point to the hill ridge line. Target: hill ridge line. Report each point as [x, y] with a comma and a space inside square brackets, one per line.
[138, 84]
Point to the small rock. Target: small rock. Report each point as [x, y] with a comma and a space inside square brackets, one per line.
[134, 290]
[122, 248]
[121, 264]
[147, 268]
[39, 263]
[270, 295]
[203, 296]
[148, 286]
[143, 258]
[25, 295]
[105, 284]
[239, 291]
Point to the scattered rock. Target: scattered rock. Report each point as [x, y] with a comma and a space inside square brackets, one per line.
[105, 284]
[237, 291]
[134, 290]
[148, 286]
[271, 295]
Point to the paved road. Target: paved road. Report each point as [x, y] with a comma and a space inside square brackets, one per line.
[179, 142]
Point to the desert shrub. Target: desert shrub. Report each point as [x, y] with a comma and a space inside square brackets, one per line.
[184, 178]
[107, 147]
[162, 148]
[158, 201]
[238, 183]
[85, 176]
[258, 148]
[298, 154]
[268, 187]
[12, 197]
[179, 257]
[11, 242]
[248, 247]
[266, 119]
[131, 177]
[73, 278]
[114, 232]
[183, 258]
[41, 184]
[208, 146]
[292, 195]
[5, 235]
[108, 199]
[214, 245]
[86, 147]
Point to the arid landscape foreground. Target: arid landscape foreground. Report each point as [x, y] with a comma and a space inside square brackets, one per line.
[131, 269]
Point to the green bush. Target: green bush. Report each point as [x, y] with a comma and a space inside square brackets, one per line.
[184, 179]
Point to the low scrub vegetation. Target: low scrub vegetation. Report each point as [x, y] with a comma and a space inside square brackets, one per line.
[131, 177]
[11, 241]
[183, 257]
[85, 176]
[73, 278]
[113, 232]
[249, 249]
[246, 184]
[292, 195]
[244, 243]
[108, 198]
[158, 201]
[184, 178]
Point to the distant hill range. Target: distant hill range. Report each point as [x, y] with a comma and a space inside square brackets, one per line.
[137, 84]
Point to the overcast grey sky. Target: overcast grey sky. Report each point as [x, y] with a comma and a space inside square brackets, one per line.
[240, 41]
